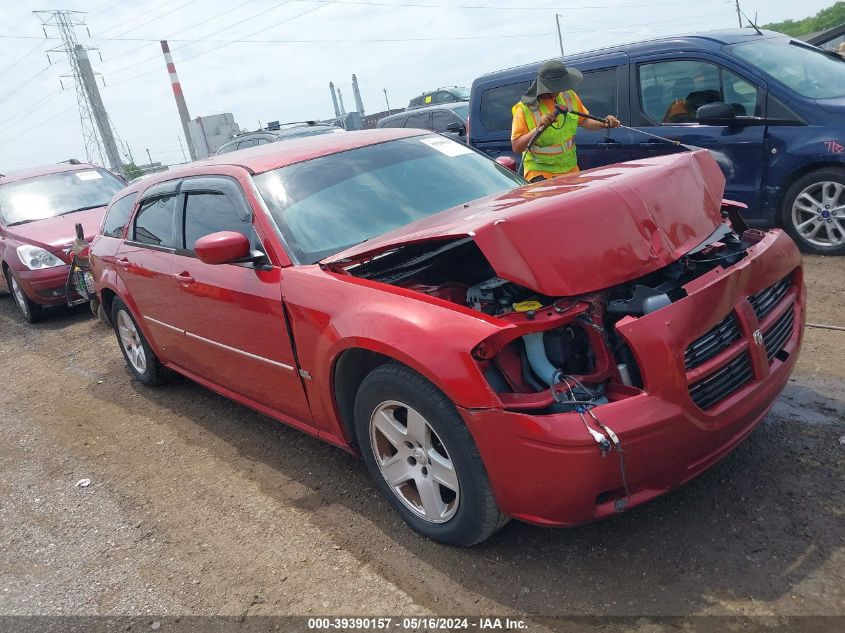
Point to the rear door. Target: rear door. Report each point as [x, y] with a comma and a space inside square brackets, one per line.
[236, 333]
[666, 92]
[440, 121]
[421, 120]
[143, 262]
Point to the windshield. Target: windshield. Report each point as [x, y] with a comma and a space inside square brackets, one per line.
[327, 204]
[56, 194]
[807, 71]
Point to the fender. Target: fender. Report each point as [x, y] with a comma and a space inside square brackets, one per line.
[332, 313]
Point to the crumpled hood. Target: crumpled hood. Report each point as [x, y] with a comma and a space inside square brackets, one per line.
[54, 233]
[584, 232]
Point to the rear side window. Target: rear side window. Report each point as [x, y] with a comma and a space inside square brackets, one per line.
[252, 142]
[207, 213]
[155, 224]
[117, 216]
[598, 92]
[496, 104]
[228, 147]
[397, 122]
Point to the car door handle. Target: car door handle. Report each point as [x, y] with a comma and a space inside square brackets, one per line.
[608, 143]
[650, 144]
[184, 278]
[123, 263]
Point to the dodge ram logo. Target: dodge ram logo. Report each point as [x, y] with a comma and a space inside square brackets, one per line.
[758, 337]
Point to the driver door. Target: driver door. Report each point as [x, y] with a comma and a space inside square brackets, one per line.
[668, 91]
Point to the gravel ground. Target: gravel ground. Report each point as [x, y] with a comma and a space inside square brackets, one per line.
[199, 506]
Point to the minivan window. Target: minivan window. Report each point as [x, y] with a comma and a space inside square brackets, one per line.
[250, 142]
[598, 92]
[397, 122]
[496, 104]
[672, 91]
[117, 216]
[207, 213]
[808, 72]
[154, 222]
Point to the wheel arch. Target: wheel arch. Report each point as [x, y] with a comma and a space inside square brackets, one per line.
[794, 177]
[349, 369]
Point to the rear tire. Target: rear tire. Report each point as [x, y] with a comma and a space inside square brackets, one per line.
[30, 311]
[813, 212]
[137, 353]
[409, 432]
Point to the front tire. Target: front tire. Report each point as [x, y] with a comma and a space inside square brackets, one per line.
[137, 353]
[30, 311]
[813, 212]
[423, 458]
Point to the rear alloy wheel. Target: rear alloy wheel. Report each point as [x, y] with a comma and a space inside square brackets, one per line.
[423, 458]
[136, 350]
[814, 212]
[30, 310]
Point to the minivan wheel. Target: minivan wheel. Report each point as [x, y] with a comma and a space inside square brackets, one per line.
[423, 458]
[813, 212]
[30, 311]
[140, 359]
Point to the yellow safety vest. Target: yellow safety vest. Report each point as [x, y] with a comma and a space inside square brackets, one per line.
[554, 149]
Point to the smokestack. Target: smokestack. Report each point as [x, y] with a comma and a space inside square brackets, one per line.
[358, 103]
[334, 99]
[180, 98]
[340, 98]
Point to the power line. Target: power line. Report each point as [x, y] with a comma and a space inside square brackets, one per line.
[418, 5]
[33, 107]
[20, 59]
[27, 82]
[134, 17]
[108, 8]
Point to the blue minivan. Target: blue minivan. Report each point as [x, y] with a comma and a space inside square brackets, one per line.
[770, 108]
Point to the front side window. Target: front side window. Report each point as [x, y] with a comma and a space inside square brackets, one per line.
[118, 214]
[56, 194]
[155, 222]
[496, 104]
[441, 119]
[598, 92]
[421, 121]
[672, 91]
[327, 204]
[228, 147]
[808, 72]
[207, 213]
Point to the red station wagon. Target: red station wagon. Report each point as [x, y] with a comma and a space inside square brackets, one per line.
[557, 352]
[38, 211]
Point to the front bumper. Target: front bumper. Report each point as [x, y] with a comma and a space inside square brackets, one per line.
[46, 286]
[546, 470]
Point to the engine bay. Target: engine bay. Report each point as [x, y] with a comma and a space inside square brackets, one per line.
[566, 351]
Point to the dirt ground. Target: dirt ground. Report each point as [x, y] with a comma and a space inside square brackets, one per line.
[200, 506]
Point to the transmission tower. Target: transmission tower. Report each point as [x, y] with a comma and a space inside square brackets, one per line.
[98, 133]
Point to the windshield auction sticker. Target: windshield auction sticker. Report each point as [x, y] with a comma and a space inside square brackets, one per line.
[445, 146]
[88, 175]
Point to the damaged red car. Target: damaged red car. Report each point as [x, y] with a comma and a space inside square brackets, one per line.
[556, 353]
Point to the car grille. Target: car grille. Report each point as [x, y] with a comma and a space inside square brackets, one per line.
[722, 383]
[727, 379]
[765, 300]
[719, 338]
[778, 334]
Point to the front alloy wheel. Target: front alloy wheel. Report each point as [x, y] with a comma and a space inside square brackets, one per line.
[814, 212]
[414, 462]
[423, 458]
[30, 310]
[130, 339]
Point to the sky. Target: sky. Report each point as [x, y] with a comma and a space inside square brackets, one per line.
[266, 60]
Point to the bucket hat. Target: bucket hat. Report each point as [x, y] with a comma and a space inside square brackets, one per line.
[552, 77]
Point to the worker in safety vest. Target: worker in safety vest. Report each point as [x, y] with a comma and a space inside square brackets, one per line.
[553, 153]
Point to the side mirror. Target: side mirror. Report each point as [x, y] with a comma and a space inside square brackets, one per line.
[507, 161]
[222, 248]
[457, 128]
[716, 112]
